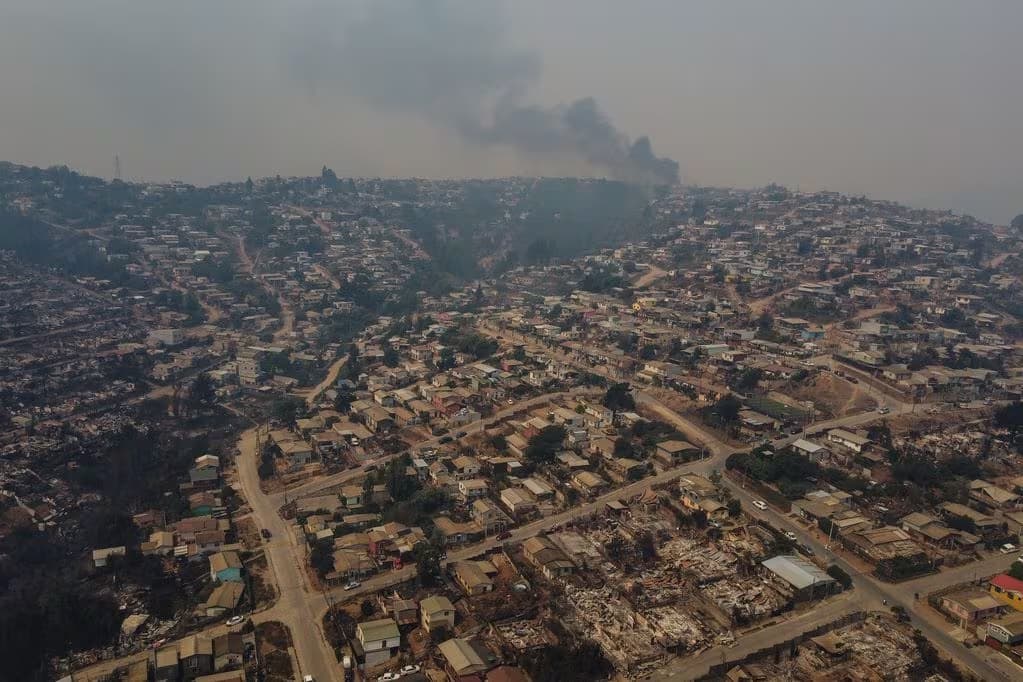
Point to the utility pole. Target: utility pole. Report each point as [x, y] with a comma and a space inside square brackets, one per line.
[117, 167]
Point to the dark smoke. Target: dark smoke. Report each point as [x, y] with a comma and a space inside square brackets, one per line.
[449, 62]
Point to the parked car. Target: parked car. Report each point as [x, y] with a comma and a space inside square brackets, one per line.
[883, 410]
[460, 434]
[410, 670]
[504, 535]
[351, 585]
[235, 620]
[1008, 548]
[790, 535]
[445, 439]
[389, 677]
[265, 532]
[760, 504]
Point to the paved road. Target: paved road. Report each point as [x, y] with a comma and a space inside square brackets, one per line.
[875, 594]
[286, 556]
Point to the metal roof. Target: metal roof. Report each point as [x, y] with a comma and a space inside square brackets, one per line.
[796, 571]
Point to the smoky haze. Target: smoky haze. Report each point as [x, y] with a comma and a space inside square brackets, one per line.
[450, 62]
[916, 100]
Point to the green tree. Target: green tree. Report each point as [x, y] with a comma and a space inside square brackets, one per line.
[202, 396]
[618, 398]
[544, 445]
[727, 409]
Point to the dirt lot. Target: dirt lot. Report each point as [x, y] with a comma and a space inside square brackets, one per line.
[274, 641]
[263, 588]
[248, 534]
[831, 395]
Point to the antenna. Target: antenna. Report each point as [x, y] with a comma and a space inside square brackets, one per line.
[117, 167]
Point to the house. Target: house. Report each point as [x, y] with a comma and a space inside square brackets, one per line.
[437, 612]
[465, 467]
[812, 451]
[405, 611]
[464, 658]
[351, 496]
[228, 676]
[228, 651]
[695, 490]
[847, 439]
[1007, 630]
[970, 606]
[378, 641]
[101, 557]
[588, 483]
[489, 517]
[224, 599]
[805, 580]
[991, 496]
[471, 578]
[550, 559]
[472, 489]
[196, 657]
[455, 532]
[225, 567]
[518, 501]
[538, 488]
[166, 664]
[1007, 590]
[671, 453]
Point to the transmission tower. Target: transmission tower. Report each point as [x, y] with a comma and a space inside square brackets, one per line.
[117, 167]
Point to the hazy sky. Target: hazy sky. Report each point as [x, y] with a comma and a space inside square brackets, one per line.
[915, 100]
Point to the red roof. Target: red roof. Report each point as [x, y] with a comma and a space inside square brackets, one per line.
[1007, 582]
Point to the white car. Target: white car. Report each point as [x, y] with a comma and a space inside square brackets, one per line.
[308, 678]
[760, 504]
[235, 620]
[790, 535]
[410, 670]
[352, 585]
[389, 677]
[1008, 548]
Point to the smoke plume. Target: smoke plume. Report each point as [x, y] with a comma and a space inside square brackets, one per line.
[449, 62]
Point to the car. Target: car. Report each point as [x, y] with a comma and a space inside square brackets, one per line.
[790, 535]
[1007, 548]
[807, 550]
[460, 434]
[308, 678]
[510, 401]
[235, 620]
[883, 410]
[445, 439]
[410, 670]
[388, 677]
[504, 535]
[265, 532]
[760, 504]
[351, 585]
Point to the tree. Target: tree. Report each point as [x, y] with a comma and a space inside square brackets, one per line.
[202, 396]
[727, 408]
[619, 398]
[1017, 222]
[427, 556]
[748, 379]
[499, 442]
[544, 445]
[734, 507]
[286, 409]
[447, 358]
[321, 557]
[391, 357]
[1010, 417]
